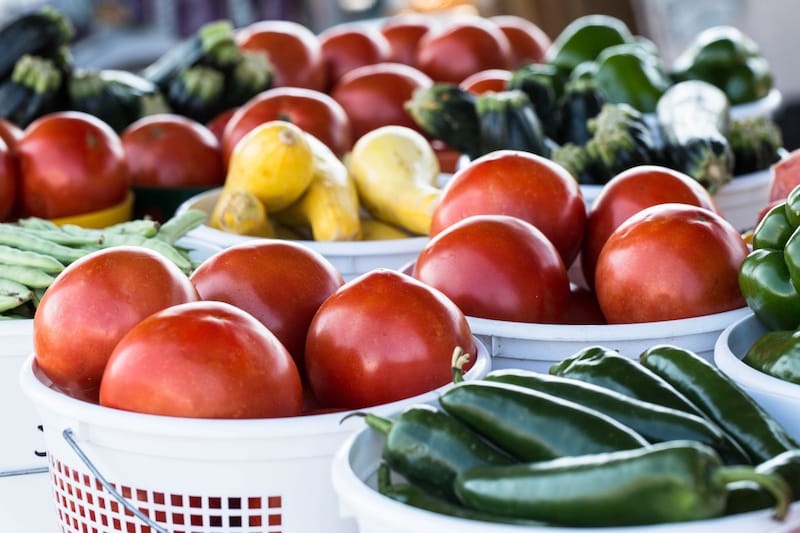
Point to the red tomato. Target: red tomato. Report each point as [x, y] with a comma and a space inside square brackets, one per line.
[583, 307]
[382, 337]
[448, 158]
[785, 176]
[462, 47]
[70, 163]
[349, 46]
[498, 267]
[293, 50]
[218, 123]
[529, 43]
[404, 32]
[375, 95]
[10, 132]
[202, 360]
[312, 111]
[281, 283]
[167, 150]
[521, 184]
[628, 193]
[670, 261]
[93, 303]
[9, 181]
[493, 79]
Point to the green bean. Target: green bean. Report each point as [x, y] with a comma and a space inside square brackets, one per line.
[31, 277]
[68, 239]
[8, 302]
[23, 239]
[37, 295]
[180, 224]
[164, 248]
[145, 227]
[14, 256]
[37, 223]
[11, 287]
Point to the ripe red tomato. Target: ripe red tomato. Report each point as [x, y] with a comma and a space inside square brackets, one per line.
[293, 50]
[462, 47]
[521, 184]
[404, 31]
[493, 79]
[10, 133]
[529, 43]
[281, 283]
[218, 123]
[94, 302]
[583, 307]
[383, 336]
[628, 193]
[9, 181]
[375, 95]
[349, 46]
[202, 360]
[70, 163]
[785, 176]
[670, 261]
[168, 150]
[312, 111]
[498, 267]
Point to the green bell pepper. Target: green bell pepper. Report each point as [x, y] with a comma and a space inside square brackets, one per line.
[584, 38]
[777, 353]
[631, 74]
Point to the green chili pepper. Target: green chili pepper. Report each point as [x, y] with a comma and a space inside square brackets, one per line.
[746, 496]
[628, 73]
[768, 289]
[666, 482]
[584, 38]
[721, 399]
[530, 425]
[777, 353]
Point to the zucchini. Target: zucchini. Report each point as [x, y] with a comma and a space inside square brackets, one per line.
[31, 91]
[584, 167]
[509, 122]
[251, 75]
[197, 93]
[756, 143]
[447, 113]
[582, 100]
[621, 139]
[542, 83]
[694, 117]
[38, 33]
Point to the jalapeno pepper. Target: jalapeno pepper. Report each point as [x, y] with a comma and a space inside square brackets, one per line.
[747, 496]
[777, 353]
[724, 402]
[665, 482]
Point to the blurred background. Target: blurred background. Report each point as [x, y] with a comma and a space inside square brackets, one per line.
[131, 33]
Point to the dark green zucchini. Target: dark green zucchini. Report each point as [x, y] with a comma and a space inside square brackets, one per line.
[542, 83]
[621, 139]
[40, 33]
[197, 93]
[694, 117]
[584, 167]
[756, 143]
[252, 74]
[582, 100]
[31, 91]
[447, 113]
[509, 122]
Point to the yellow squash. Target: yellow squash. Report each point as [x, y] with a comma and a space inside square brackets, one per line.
[239, 211]
[375, 230]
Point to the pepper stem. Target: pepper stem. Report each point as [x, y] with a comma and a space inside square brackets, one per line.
[374, 421]
[459, 359]
[773, 483]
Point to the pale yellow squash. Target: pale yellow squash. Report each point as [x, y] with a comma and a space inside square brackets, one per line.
[376, 230]
[239, 211]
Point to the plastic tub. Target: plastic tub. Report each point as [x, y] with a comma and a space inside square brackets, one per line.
[779, 398]
[260, 475]
[353, 474]
[351, 258]
[538, 346]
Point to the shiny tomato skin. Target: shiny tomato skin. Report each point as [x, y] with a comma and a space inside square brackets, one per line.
[375, 96]
[463, 47]
[348, 46]
[529, 43]
[293, 50]
[497, 267]
[493, 79]
[583, 307]
[202, 360]
[70, 163]
[404, 31]
[521, 184]
[670, 261]
[218, 123]
[10, 132]
[94, 302]
[628, 193]
[168, 150]
[382, 337]
[281, 283]
[9, 181]
[312, 111]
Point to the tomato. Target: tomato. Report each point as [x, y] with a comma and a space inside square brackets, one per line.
[448, 157]
[9, 181]
[168, 150]
[462, 47]
[202, 360]
[521, 184]
[383, 336]
[375, 95]
[529, 43]
[583, 307]
[404, 31]
[293, 50]
[94, 302]
[312, 111]
[349, 46]
[281, 283]
[498, 267]
[493, 79]
[628, 193]
[218, 123]
[785, 176]
[10, 133]
[70, 163]
[670, 261]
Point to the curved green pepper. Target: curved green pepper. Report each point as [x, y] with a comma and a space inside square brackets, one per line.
[774, 229]
[584, 38]
[777, 353]
[629, 73]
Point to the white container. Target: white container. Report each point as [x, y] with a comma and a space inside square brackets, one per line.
[351, 258]
[353, 474]
[778, 397]
[254, 476]
[538, 346]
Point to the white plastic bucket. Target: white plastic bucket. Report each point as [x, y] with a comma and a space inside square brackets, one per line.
[353, 474]
[779, 398]
[351, 258]
[254, 476]
[538, 346]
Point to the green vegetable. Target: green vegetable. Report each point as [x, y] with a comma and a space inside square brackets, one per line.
[584, 38]
[41, 33]
[621, 139]
[198, 93]
[509, 122]
[583, 166]
[542, 83]
[756, 144]
[630, 74]
[667, 482]
[749, 496]
[251, 75]
[31, 91]
[653, 422]
[724, 402]
[776, 353]
[534, 426]
[582, 100]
